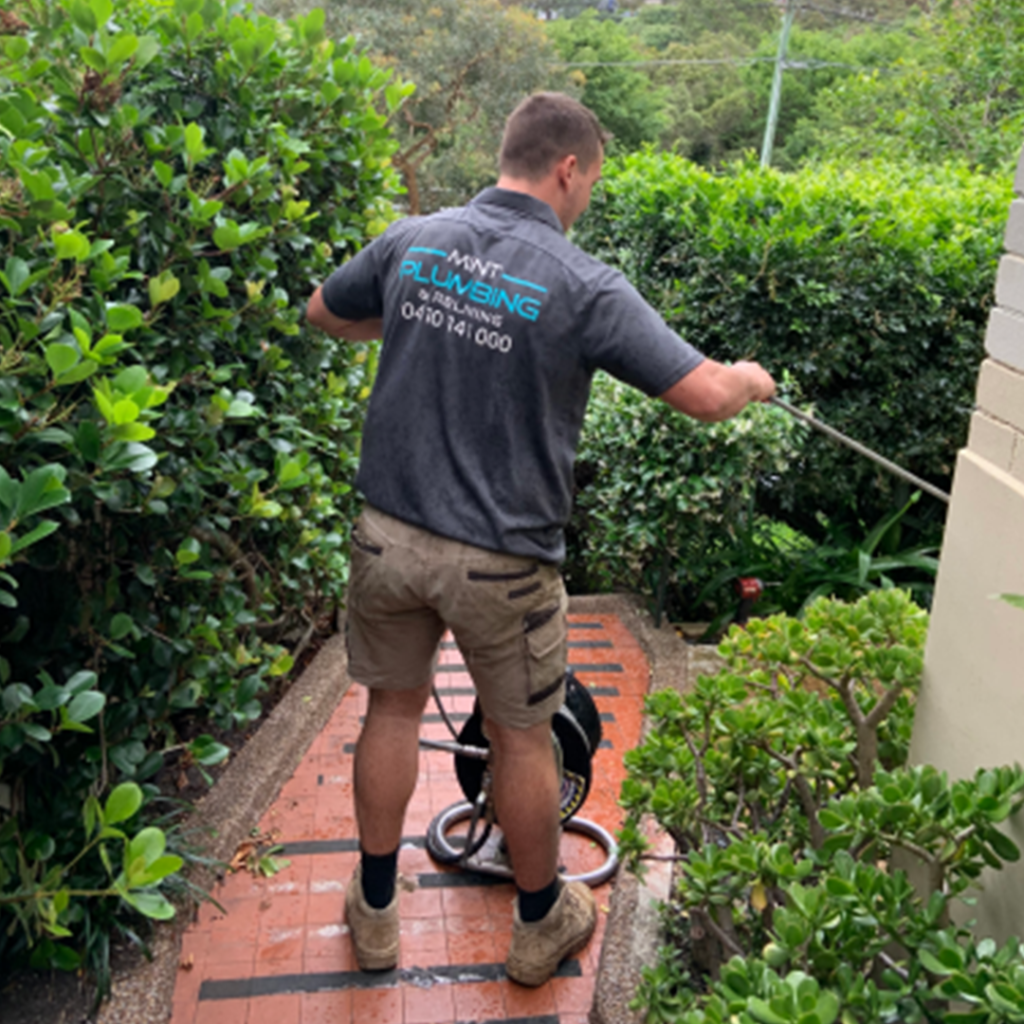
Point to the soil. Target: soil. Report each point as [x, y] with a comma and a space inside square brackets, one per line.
[57, 997]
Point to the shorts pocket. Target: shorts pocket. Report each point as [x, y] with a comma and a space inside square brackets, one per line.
[544, 632]
[366, 555]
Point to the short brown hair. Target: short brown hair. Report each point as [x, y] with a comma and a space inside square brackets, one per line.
[545, 128]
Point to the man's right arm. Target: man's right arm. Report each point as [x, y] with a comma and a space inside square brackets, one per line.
[715, 391]
[320, 316]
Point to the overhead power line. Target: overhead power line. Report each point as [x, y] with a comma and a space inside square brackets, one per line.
[735, 61]
[576, 6]
[790, 64]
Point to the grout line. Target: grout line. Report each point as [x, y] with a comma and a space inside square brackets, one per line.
[434, 718]
[581, 666]
[469, 691]
[332, 981]
[547, 1018]
[312, 847]
[461, 879]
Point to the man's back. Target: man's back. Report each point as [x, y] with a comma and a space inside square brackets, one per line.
[493, 327]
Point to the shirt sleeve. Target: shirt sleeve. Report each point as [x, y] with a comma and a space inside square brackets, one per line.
[629, 340]
[355, 291]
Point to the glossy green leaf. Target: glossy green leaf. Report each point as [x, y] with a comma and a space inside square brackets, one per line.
[86, 706]
[123, 317]
[82, 15]
[152, 905]
[39, 532]
[122, 48]
[163, 288]
[122, 803]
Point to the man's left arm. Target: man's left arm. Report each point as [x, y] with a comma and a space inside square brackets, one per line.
[320, 316]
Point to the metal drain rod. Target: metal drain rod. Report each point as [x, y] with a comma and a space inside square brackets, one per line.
[861, 449]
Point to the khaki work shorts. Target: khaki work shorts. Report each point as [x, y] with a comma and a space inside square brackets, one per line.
[506, 612]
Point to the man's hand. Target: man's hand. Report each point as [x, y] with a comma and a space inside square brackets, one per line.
[760, 380]
[320, 316]
[714, 391]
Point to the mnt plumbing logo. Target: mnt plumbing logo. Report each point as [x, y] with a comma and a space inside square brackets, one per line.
[472, 279]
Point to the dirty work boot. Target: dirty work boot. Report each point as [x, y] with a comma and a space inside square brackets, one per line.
[374, 932]
[538, 947]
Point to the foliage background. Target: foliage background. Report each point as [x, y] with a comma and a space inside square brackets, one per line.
[869, 285]
[176, 446]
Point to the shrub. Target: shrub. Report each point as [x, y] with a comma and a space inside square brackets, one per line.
[783, 782]
[176, 449]
[869, 284]
[663, 500]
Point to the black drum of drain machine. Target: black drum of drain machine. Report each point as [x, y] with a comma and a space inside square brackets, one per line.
[577, 734]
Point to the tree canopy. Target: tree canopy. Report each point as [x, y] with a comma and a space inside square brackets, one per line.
[471, 62]
[601, 50]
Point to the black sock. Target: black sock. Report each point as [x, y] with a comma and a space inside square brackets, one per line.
[535, 905]
[378, 877]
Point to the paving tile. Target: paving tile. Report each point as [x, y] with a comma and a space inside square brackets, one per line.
[480, 923]
[423, 950]
[573, 995]
[279, 966]
[227, 1011]
[529, 1002]
[279, 944]
[435, 1005]
[422, 903]
[326, 1007]
[326, 948]
[463, 903]
[326, 904]
[481, 1001]
[471, 948]
[283, 1009]
[186, 996]
[240, 954]
[377, 1005]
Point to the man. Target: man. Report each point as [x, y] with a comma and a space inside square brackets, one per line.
[493, 325]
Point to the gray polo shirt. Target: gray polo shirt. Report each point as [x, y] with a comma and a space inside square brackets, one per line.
[494, 324]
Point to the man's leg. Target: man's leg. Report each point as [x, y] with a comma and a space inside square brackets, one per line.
[526, 795]
[552, 920]
[386, 764]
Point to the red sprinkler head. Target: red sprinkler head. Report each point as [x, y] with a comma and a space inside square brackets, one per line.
[749, 588]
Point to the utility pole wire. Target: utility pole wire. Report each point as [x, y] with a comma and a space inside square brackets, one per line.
[793, 64]
[737, 61]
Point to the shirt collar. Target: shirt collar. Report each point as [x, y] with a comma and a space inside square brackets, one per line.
[522, 203]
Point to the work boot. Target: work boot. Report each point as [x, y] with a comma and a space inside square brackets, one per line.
[538, 947]
[374, 932]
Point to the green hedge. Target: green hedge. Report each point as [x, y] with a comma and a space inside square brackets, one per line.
[665, 503]
[870, 284]
[176, 450]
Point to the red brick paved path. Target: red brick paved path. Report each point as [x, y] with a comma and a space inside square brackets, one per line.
[281, 954]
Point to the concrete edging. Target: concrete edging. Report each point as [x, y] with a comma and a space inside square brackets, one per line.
[633, 933]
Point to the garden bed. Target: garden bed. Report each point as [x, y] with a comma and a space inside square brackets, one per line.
[246, 785]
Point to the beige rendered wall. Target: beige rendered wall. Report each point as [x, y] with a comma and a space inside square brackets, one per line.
[971, 707]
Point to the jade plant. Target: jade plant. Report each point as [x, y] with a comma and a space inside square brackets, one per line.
[783, 780]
